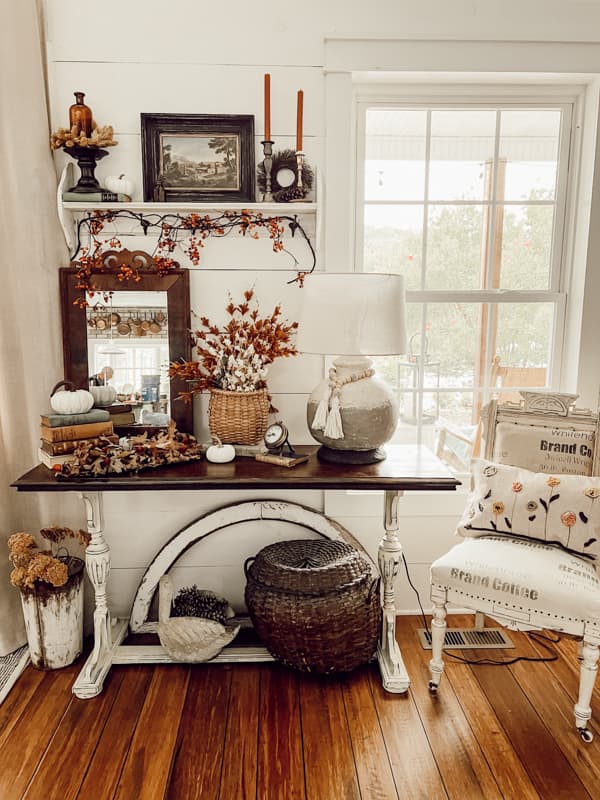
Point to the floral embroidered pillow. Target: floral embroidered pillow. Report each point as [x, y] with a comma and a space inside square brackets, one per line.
[558, 509]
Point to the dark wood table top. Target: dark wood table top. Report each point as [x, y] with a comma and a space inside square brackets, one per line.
[407, 467]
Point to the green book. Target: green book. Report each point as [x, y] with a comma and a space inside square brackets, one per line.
[59, 420]
[102, 196]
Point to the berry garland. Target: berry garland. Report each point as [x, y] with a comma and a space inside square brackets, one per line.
[187, 232]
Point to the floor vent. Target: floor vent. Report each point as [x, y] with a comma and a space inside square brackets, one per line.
[468, 638]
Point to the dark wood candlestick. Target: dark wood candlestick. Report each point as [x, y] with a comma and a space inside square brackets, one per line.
[86, 158]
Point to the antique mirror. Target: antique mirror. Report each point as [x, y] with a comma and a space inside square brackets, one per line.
[127, 337]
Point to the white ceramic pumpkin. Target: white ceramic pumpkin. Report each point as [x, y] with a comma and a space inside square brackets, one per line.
[220, 453]
[103, 395]
[119, 184]
[70, 400]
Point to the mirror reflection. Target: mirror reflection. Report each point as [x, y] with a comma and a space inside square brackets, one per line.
[148, 327]
[128, 349]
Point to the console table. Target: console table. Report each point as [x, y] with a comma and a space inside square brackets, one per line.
[407, 468]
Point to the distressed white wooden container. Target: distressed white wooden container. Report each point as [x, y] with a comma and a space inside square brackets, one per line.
[54, 621]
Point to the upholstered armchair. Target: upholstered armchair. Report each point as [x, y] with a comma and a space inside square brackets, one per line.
[530, 533]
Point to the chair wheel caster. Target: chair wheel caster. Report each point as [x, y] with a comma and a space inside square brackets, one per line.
[586, 735]
[433, 687]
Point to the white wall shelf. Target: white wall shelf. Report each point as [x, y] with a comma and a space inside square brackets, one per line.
[70, 212]
[276, 209]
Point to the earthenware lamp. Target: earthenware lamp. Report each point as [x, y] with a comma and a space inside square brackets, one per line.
[353, 316]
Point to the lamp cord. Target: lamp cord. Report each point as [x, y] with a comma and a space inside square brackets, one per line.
[545, 641]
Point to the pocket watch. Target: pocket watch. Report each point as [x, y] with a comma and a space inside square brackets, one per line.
[277, 438]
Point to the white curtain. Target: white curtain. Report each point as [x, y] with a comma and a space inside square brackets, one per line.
[31, 250]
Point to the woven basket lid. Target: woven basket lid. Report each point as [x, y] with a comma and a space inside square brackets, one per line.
[310, 566]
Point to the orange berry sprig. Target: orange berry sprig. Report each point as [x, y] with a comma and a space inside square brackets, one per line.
[236, 355]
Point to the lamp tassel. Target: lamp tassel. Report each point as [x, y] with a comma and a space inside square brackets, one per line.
[333, 428]
[320, 418]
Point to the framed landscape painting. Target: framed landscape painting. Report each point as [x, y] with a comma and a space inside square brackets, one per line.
[198, 158]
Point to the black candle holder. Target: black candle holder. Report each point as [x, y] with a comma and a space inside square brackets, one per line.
[86, 158]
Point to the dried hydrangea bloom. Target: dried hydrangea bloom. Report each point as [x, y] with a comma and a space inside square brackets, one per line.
[83, 537]
[43, 567]
[20, 548]
[18, 576]
[56, 533]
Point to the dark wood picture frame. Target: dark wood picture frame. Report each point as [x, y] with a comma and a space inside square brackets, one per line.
[75, 349]
[158, 187]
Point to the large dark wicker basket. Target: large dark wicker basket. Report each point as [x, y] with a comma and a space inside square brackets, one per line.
[315, 604]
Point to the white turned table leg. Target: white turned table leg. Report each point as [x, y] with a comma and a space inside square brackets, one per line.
[393, 672]
[106, 639]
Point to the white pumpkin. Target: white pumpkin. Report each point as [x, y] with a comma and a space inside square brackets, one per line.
[119, 184]
[70, 400]
[220, 453]
[103, 395]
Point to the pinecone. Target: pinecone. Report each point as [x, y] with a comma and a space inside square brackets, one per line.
[194, 602]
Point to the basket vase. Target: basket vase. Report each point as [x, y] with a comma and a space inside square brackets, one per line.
[238, 417]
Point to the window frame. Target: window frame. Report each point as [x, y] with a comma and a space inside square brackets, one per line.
[485, 95]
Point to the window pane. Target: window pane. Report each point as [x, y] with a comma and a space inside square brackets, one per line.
[523, 344]
[454, 247]
[393, 241]
[395, 154]
[457, 410]
[526, 246]
[462, 141]
[529, 141]
[454, 340]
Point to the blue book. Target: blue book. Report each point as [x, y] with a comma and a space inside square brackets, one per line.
[59, 420]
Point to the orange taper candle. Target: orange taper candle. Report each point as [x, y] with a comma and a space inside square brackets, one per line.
[299, 120]
[267, 107]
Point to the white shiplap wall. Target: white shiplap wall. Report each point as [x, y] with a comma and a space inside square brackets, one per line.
[195, 57]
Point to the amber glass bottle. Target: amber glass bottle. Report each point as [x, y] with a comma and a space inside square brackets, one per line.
[80, 115]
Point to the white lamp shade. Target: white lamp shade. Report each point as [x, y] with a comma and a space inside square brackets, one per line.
[352, 313]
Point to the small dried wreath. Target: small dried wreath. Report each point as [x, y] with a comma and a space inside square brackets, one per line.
[285, 162]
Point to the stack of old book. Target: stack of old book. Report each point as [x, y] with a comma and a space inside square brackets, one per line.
[121, 414]
[61, 434]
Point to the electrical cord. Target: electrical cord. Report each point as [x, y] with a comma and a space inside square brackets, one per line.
[545, 641]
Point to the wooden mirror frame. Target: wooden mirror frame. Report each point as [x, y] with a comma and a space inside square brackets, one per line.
[74, 325]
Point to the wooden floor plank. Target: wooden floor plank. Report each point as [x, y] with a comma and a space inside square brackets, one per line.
[240, 758]
[510, 774]
[533, 740]
[566, 669]
[30, 736]
[104, 770]
[14, 704]
[329, 762]
[375, 777]
[548, 769]
[493, 732]
[280, 763]
[415, 771]
[147, 768]
[462, 764]
[73, 743]
[555, 707]
[199, 753]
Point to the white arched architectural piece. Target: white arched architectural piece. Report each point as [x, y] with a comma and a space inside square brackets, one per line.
[216, 521]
